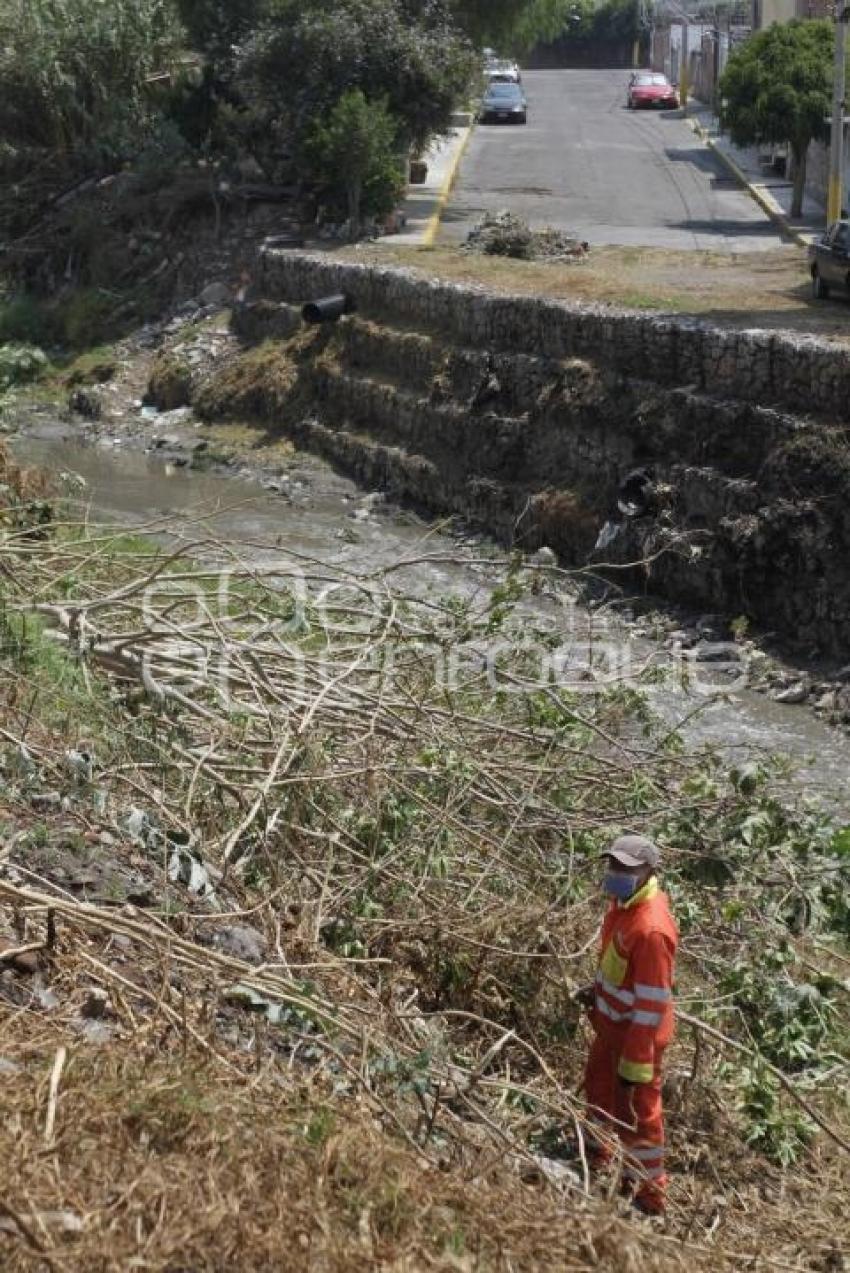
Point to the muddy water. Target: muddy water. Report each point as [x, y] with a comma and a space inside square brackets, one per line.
[321, 515]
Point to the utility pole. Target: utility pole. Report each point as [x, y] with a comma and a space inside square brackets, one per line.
[835, 190]
[683, 72]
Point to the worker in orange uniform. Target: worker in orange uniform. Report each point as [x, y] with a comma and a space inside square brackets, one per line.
[631, 1009]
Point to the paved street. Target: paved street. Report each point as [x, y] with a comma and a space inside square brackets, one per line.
[586, 163]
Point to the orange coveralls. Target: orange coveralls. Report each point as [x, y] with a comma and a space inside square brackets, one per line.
[632, 1017]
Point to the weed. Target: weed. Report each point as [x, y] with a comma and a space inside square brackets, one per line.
[780, 1132]
[320, 1127]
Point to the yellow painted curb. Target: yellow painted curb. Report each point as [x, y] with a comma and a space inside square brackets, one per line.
[433, 226]
[768, 205]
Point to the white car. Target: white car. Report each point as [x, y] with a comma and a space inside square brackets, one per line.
[503, 72]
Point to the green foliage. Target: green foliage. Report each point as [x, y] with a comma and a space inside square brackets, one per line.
[20, 364]
[778, 1131]
[73, 73]
[512, 24]
[777, 87]
[615, 20]
[216, 27]
[86, 318]
[789, 1021]
[23, 320]
[304, 57]
[354, 156]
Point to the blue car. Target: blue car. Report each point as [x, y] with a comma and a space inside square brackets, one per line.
[504, 104]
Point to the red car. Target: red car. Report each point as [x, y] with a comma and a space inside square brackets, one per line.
[649, 88]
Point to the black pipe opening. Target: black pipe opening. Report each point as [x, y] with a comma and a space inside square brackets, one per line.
[327, 309]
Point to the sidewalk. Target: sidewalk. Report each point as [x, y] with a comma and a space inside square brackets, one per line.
[770, 191]
[423, 205]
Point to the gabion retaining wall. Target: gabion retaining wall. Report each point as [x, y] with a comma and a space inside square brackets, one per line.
[800, 373]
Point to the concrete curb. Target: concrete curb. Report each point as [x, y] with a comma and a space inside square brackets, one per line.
[433, 227]
[765, 201]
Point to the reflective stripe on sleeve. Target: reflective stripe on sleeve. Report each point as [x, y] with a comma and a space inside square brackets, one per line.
[624, 996]
[657, 994]
[645, 1018]
[608, 1011]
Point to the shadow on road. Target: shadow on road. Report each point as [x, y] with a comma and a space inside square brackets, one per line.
[696, 156]
[738, 229]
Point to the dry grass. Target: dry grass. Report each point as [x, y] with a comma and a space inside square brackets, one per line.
[761, 289]
[168, 1161]
[220, 1150]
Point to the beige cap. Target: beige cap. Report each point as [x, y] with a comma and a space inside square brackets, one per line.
[634, 850]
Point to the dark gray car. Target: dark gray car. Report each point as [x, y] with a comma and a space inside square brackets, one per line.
[829, 260]
[504, 103]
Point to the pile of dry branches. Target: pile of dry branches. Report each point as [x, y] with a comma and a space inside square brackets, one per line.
[376, 788]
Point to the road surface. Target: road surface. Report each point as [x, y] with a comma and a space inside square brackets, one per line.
[586, 163]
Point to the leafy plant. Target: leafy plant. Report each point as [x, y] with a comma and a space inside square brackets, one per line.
[777, 88]
[355, 157]
[778, 1131]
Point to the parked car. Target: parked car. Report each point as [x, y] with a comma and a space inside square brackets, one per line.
[504, 103]
[829, 260]
[651, 89]
[503, 72]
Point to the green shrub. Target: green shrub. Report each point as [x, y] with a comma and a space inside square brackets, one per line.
[25, 321]
[86, 318]
[354, 153]
[20, 364]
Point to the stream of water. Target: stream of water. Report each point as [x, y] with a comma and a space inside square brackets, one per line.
[323, 516]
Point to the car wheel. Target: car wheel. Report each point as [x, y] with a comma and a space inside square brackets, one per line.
[820, 291]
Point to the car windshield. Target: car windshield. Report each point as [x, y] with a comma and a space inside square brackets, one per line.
[651, 79]
[503, 90]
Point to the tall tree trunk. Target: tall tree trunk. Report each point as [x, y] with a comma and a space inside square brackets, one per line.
[799, 155]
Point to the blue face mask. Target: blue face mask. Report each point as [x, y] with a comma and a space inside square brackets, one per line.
[620, 885]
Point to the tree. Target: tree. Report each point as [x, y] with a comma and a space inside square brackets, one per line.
[307, 54]
[777, 88]
[216, 27]
[355, 155]
[544, 21]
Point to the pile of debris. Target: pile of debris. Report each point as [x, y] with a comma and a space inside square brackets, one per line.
[505, 234]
